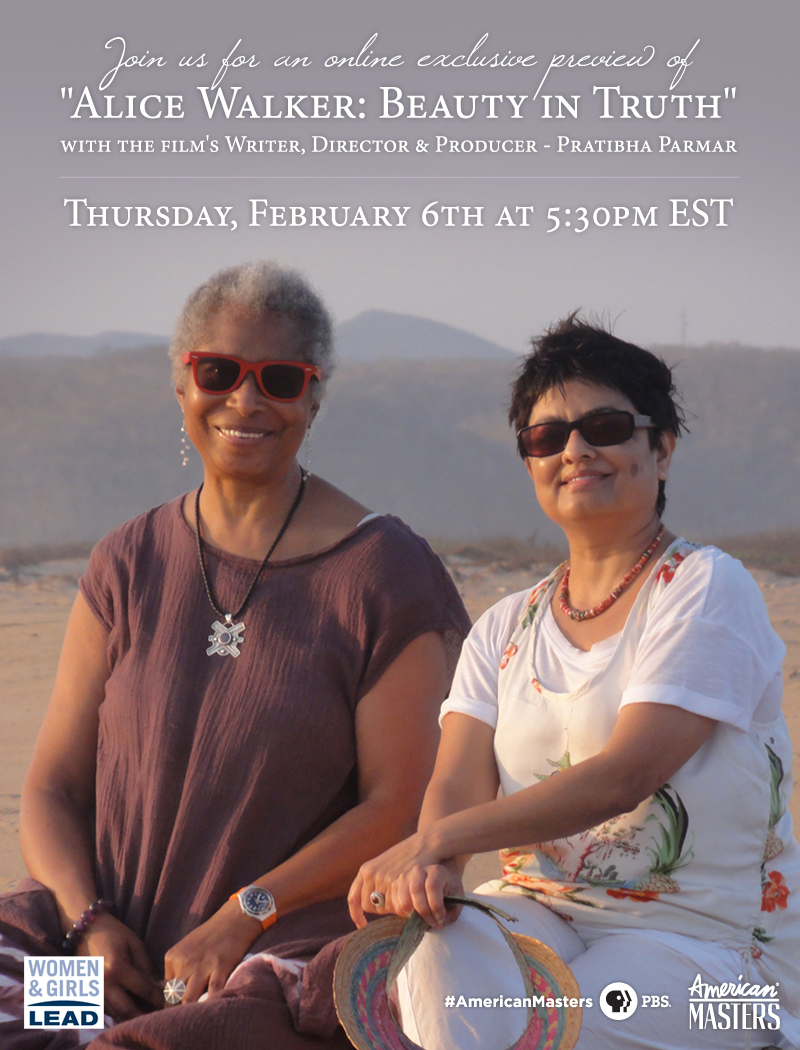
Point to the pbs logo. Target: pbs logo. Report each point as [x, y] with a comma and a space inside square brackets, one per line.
[618, 1001]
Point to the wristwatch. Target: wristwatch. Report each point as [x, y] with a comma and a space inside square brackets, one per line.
[258, 903]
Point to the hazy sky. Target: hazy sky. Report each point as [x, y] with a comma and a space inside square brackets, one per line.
[712, 283]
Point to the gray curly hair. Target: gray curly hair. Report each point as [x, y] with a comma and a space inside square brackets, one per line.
[258, 288]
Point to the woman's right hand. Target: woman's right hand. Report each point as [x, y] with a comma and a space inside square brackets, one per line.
[130, 982]
[408, 884]
[424, 892]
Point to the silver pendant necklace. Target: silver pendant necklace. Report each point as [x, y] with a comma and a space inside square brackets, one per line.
[227, 635]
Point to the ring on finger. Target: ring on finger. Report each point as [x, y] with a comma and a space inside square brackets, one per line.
[377, 899]
[174, 991]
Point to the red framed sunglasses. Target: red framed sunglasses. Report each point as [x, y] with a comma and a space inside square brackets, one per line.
[277, 380]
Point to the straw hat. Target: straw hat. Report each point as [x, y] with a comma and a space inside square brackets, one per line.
[373, 957]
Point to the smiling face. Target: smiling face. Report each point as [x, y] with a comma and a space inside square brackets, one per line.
[583, 485]
[243, 434]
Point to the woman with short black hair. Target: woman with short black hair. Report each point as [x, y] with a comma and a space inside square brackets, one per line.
[628, 707]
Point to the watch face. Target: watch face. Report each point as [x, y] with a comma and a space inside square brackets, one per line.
[257, 902]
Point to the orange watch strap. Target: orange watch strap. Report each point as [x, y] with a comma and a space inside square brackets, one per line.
[270, 919]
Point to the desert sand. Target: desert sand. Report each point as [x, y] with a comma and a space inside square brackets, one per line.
[35, 605]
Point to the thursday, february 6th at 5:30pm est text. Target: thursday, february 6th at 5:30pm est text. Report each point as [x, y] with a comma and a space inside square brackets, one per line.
[678, 212]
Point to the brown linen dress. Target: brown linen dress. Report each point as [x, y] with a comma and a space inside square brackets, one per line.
[212, 770]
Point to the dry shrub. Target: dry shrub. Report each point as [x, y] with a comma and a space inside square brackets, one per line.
[17, 557]
[775, 551]
[502, 552]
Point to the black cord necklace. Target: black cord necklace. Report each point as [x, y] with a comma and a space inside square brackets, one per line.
[227, 635]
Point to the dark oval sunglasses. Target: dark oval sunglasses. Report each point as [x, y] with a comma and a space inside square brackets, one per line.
[598, 429]
[277, 380]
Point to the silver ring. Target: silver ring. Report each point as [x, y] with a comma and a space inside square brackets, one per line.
[174, 991]
[377, 898]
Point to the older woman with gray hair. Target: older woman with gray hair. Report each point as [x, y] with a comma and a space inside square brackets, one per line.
[243, 713]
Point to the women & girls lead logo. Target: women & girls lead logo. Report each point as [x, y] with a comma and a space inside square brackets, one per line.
[733, 1005]
[63, 993]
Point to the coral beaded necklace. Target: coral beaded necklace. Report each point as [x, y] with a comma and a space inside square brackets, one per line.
[623, 585]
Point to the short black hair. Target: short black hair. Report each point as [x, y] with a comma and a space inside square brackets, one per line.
[576, 349]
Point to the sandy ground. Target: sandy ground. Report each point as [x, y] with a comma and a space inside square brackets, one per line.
[33, 615]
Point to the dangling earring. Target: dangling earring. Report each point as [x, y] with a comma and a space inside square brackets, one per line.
[185, 446]
[307, 465]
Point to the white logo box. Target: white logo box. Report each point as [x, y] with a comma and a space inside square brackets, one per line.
[63, 992]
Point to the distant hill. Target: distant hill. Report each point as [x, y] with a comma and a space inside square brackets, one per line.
[43, 344]
[381, 335]
[375, 335]
[98, 442]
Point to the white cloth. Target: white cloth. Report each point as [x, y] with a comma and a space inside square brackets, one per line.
[470, 958]
[710, 859]
[561, 667]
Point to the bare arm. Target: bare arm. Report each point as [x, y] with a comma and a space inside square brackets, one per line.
[58, 806]
[649, 744]
[466, 744]
[396, 742]
[465, 775]
[58, 794]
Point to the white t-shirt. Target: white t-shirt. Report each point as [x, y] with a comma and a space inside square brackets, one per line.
[711, 854]
[709, 648]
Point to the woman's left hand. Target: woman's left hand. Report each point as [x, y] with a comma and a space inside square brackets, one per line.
[411, 877]
[205, 958]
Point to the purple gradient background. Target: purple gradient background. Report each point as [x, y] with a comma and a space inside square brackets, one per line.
[734, 284]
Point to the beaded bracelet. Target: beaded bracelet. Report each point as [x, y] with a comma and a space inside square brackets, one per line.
[80, 927]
